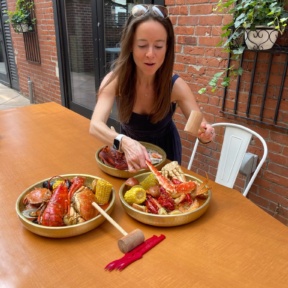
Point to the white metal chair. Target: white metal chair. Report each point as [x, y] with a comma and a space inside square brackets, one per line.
[233, 156]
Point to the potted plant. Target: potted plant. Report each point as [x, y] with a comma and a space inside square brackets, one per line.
[21, 18]
[250, 17]
[252, 21]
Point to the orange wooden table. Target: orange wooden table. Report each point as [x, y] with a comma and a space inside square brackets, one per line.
[234, 244]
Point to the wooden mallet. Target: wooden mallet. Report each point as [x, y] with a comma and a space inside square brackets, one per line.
[193, 123]
[130, 240]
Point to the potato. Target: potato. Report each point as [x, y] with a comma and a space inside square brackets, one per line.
[131, 182]
[154, 191]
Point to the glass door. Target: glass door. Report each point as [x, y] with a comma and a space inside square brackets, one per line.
[115, 14]
[84, 66]
[80, 42]
[88, 33]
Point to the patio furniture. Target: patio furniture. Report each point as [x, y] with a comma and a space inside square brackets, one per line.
[114, 51]
[232, 156]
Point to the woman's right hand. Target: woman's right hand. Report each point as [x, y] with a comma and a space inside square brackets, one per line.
[135, 153]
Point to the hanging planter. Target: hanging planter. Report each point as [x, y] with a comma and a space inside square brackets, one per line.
[22, 28]
[21, 19]
[261, 38]
[259, 22]
[247, 16]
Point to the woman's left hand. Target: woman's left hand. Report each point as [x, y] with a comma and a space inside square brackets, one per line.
[206, 133]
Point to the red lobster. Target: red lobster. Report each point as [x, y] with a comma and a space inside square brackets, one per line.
[114, 158]
[57, 207]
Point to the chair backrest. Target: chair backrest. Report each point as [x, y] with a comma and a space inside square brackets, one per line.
[235, 144]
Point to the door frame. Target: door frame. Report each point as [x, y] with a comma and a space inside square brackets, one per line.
[63, 57]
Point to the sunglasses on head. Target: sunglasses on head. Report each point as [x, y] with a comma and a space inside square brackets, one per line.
[158, 10]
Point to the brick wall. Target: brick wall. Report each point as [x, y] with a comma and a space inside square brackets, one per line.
[45, 77]
[198, 58]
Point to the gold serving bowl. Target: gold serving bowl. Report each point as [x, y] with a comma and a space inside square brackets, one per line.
[163, 220]
[125, 173]
[63, 231]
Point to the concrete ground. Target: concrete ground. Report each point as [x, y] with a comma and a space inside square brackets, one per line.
[10, 98]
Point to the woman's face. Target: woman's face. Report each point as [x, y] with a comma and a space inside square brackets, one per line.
[149, 47]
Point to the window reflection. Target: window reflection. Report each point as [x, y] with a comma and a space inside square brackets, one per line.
[81, 52]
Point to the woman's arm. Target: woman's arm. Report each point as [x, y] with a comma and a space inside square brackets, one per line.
[135, 153]
[182, 94]
[102, 110]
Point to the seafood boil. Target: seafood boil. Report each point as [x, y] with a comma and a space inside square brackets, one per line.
[116, 159]
[165, 192]
[63, 202]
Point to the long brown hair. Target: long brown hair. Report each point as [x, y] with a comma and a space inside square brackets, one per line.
[124, 70]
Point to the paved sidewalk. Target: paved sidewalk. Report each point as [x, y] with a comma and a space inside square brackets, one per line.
[10, 98]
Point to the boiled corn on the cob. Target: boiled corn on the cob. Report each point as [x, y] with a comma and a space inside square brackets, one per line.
[135, 195]
[103, 191]
[149, 181]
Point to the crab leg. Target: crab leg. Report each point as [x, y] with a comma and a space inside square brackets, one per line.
[163, 181]
[173, 189]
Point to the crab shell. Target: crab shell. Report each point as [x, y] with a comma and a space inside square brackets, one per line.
[37, 196]
[81, 208]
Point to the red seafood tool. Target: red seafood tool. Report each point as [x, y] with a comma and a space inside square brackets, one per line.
[135, 254]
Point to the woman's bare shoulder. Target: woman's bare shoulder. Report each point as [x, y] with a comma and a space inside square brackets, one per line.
[110, 77]
[180, 90]
[108, 85]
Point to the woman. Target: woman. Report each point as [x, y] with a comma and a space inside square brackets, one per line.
[146, 93]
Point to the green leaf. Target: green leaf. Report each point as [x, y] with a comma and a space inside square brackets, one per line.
[202, 90]
[239, 50]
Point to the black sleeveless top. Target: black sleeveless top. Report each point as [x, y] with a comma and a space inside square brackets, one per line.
[163, 133]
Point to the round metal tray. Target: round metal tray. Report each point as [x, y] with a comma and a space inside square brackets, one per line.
[63, 231]
[163, 220]
[124, 173]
